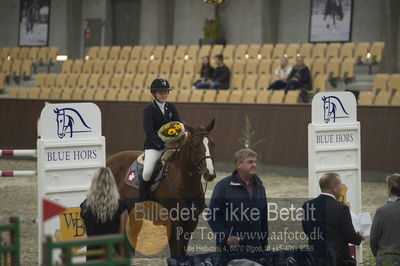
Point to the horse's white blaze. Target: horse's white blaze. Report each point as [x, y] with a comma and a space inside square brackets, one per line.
[209, 164]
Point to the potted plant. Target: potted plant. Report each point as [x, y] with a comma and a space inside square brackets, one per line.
[212, 27]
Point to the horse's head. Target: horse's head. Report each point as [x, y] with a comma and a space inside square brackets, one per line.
[201, 150]
[60, 118]
[327, 112]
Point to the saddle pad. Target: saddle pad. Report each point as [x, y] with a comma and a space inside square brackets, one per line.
[135, 175]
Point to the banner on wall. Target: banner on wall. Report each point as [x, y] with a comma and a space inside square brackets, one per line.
[34, 22]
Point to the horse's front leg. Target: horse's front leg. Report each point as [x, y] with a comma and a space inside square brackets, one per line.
[178, 239]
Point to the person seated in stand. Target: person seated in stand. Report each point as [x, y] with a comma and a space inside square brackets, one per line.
[103, 212]
[281, 75]
[206, 71]
[299, 78]
[220, 78]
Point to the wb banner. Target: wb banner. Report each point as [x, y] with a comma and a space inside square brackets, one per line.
[70, 149]
[270, 234]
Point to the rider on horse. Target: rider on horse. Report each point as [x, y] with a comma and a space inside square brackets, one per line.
[156, 115]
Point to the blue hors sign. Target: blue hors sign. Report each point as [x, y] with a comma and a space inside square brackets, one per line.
[334, 108]
[70, 121]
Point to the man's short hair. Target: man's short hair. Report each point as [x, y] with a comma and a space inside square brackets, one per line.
[328, 180]
[242, 154]
[219, 57]
[393, 182]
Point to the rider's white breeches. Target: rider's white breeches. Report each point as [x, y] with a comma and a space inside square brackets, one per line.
[150, 159]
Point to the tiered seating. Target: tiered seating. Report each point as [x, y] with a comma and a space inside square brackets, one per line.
[385, 91]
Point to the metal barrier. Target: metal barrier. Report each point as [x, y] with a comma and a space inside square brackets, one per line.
[106, 250]
[9, 252]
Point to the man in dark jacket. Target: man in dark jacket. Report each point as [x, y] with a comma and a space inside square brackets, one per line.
[239, 209]
[328, 225]
[220, 78]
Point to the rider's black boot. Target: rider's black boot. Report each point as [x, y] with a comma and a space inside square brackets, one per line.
[144, 189]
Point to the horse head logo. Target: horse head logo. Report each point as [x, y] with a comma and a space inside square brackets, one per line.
[70, 121]
[333, 109]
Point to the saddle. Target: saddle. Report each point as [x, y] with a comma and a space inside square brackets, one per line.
[134, 174]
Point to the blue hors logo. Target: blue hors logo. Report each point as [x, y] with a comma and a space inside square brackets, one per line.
[333, 109]
[70, 121]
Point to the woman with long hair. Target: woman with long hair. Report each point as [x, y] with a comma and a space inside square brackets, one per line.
[103, 212]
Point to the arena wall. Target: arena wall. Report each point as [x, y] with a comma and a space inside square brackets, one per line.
[284, 128]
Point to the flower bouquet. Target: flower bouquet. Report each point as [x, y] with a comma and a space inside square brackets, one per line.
[172, 131]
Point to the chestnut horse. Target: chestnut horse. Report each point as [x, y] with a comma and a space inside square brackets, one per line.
[181, 184]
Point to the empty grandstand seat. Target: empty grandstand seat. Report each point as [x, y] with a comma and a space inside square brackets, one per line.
[183, 96]
[333, 50]
[188, 69]
[382, 98]
[236, 82]
[93, 82]
[123, 66]
[2, 81]
[229, 52]
[52, 56]
[250, 82]
[380, 82]
[186, 82]
[249, 96]
[347, 68]
[26, 69]
[366, 98]
[42, 55]
[138, 82]
[209, 96]
[66, 94]
[158, 53]
[154, 67]
[114, 53]
[263, 81]
[165, 68]
[174, 81]
[23, 93]
[396, 99]
[109, 66]
[172, 95]
[394, 82]
[251, 67]
[333, 67]
[223, 96]
[66, 66]
[143, 68]
[50, 81]
[361, 51]
[264, 67]
[72, 80]
[204, 50]
[14, 52]
[181, 52]
[347, 50]
[263, 96]
[111, 95]
[87, 67]
[240, 53]
[134, 95]
[98, 66]
[292, 97]
[5, 52]
[6, 67]
[277, 96]
[319, 50]
[77, 66]
[253, 51]
[55, 93]
[177, 69]
[45, 93]
[308, 62]
[196, 96]
[61, 80]
[216, 50]
[376, 51]
[23, 53]
[128, 81]
[116, 81]
[123, 94]
[136, 53]
[192, 53]
[265, 51]
[306, 50]
[238, 67]
[105, 81]
[16, 68]
[103, 53]
[33, 54]
[236, 96]
[320, 83]
[34, 93]
[83, 81]
[319, 66]
[100, 95]
[169, 53]
[292, 50]
[279, 50]
[149, 79]
[88, 94]
[92, 53]
[146, 53]
[125, 53]
[13, 92]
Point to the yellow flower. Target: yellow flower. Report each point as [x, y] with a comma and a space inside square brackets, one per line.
[171, 131]
[177, 127]
[166, 127]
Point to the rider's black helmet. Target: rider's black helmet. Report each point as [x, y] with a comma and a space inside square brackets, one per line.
[159, 84]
